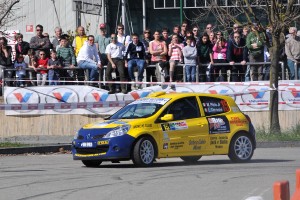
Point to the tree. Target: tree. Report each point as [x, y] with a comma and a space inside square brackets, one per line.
[279, 15]
[7, 12]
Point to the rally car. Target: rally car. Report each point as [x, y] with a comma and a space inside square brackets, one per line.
[162, 125]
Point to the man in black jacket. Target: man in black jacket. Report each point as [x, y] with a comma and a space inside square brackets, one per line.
[237, 52]
[135, 56]
[5, 59]
[21, 47]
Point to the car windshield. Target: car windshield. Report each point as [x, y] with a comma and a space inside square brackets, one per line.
[139, 109]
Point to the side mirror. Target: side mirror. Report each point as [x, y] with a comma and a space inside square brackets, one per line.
[167, 117]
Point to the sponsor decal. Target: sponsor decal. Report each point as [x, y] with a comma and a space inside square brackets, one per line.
[142, 126]
[218, 124]
[89, 155]
[173, 126]
[220, 89]
[166, 146]
[237, 121]
[256, 94]
[291, 94]
[166, 137]
[197, 144]
[176, 145]
[105, 142]
[161, 101]
[218, 140]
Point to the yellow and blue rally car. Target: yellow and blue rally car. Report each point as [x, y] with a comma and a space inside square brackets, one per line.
[185, 125]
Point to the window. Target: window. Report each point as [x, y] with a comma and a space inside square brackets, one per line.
[213, 106]
[185, 108]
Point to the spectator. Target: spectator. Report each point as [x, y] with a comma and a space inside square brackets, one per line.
[255, 42]
[79, 40]
[86, 56]
[66, 55]
[237, 52]
[122, 38]
[32, 63]
[21, 47]
[190, 60]
[5, 60]
[244, 36]
[20, 66]
[292, 50]
[176, 31]
[212, 38]
[190, 34]
[235, 29]
[209, 29]
[175, 53]
[40, 42]
[114, 53]
[204, 51]
[55, 41]
[184, 28]
[54, 66]
[219, 56]
[196, 33]
[41, 69]
[135, 56]
[245, 32]
[165, 36]
[150, 71]
[158, 50]
[102, 41]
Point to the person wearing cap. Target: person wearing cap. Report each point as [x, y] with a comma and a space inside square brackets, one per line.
[292, 51]
[102, 41]
[255, 42]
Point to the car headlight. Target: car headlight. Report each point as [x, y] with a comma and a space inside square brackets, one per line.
[119, 131]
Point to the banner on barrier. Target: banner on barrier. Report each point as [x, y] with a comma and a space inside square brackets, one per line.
[85, 99]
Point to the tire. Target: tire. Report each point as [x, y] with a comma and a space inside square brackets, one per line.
[241, 148]
[92, 163]
[190, 159]
[143, 153]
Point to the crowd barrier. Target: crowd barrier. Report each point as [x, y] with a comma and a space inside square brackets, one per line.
[102, 80]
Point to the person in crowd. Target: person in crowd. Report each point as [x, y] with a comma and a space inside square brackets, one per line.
[122, 37]
[208, 29]
[54, 66]
[41, 69]
[116, 63]
[255, 42]
[32, 63]
[55, 41]
[244, 35]
[176, 31]
[165, 36]
[292, 50]
[237, 52]
[245, 32]
[190, 60]
[40, 42]
[190, 34]
[219, 56]
[204, 51]
[183, 30]
[235, 29]
[20, 67]
[67, 57]
[5, 61]
[102, 41]
[158, 50]
[79, 39]
[196, 33]
[21, 47]
[88, 58]
[175, 53]
[212, 38]
[150, 71]
[135, 56]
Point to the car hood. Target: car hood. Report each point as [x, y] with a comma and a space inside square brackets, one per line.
[109, 124]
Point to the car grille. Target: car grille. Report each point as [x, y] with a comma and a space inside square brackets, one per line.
[92, 150]
[80, 137]
[95, 137]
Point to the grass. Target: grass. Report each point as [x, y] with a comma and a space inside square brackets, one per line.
[292, 134]
[12, 144]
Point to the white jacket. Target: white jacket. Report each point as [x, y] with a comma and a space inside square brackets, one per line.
[88, 53]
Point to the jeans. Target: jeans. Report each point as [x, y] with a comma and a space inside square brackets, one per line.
[92, 67]
[291, 65]
[140, 63]
[190, 73]
[41, 78]
[53, 77]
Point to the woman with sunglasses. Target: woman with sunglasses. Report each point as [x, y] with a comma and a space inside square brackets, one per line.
[219, 56]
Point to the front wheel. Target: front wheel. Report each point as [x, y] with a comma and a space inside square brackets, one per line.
[190, 159]
[92, 163]
[143, 153]
[241, 148]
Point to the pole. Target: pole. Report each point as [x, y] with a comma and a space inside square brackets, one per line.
[78, 14]
[144, 14]
[123, 15]
[181, 12]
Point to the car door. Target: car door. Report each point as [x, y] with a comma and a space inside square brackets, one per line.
[186, 134]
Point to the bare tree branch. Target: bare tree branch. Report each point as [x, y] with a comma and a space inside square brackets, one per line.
[6, 10]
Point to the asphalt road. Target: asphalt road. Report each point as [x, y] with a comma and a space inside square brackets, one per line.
[57, 176]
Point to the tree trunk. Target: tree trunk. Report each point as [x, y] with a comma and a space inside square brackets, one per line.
[274, 69]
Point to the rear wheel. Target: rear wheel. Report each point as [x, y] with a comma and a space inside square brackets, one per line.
[143, 152]
[241, 148]
[190, 159]
[92, 163]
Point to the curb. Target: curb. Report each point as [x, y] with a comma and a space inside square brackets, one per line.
[67, 147]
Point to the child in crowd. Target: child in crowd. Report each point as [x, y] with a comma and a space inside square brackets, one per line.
[53, 67]
[66, 54]
[20, 66]
[41, 69]
[190, 56]
[32, 63]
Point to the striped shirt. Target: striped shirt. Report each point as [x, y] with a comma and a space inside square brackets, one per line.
[176, 52]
